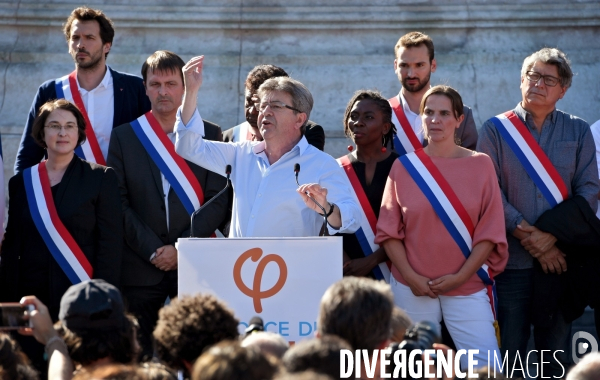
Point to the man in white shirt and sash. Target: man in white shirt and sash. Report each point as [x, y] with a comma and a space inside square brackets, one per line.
[160, 192]
[267, 202]
[107, 98]
[414, 62]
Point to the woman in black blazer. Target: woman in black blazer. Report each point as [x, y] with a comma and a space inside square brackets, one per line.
[87, 201]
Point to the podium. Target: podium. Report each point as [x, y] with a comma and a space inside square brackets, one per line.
[280, 280]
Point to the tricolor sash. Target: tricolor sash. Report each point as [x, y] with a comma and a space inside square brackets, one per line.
[449, 209]
[368, 222]
[172, 166]
[66, 88]
[405, 140]
[535, 162]
[241, 133]
[59, 241]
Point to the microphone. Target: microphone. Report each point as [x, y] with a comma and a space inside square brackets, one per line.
[256, 324]
[227, 173]
[297, 171]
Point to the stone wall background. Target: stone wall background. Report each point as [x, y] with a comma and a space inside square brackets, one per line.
[334, 47]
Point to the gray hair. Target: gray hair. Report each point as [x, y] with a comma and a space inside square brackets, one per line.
[551, 56]
[302, 99]
[267, 342]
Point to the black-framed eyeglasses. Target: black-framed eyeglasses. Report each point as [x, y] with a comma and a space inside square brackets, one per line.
[275, 106]
[549, 80]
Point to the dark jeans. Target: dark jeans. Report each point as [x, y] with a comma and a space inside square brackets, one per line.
[144, 302]
[515, 290]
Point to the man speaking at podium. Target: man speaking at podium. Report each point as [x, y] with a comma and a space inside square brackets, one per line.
[267, 201]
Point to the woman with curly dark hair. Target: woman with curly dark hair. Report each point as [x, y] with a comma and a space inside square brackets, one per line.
[368, 122]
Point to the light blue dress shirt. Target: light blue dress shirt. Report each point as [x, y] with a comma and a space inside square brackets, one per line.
[266, 203]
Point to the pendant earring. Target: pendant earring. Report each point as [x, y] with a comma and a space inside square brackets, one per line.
[350, 148]
[383, 148]
[457, 139]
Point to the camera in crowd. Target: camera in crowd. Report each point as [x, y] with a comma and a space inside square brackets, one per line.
[420, 336]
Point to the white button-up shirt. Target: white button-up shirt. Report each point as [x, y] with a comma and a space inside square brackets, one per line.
[413, 118]
[100, 106]
[266, 203]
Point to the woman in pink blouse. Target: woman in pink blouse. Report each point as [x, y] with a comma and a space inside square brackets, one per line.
[443, 249]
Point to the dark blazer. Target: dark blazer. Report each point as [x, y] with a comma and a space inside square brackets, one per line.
[88, 204]
[143, 205]
[577, 230]
[130, 103]
[314, 135]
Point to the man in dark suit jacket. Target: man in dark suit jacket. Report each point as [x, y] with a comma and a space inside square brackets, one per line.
[154, 215]
[89, 34]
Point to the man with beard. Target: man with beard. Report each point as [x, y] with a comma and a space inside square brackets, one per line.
[248, 130]
[414, 64]
[106, 98]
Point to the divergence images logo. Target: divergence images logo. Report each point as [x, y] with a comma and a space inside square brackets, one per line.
[582, 348]
[256, 293]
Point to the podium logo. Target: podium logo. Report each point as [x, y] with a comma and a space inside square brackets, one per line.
[255, 292]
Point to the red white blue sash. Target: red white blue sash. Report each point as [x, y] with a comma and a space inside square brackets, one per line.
[535, 162]
[59, 241]
[66, 88]
[171, 165]
[405, 140]
[368, 222]
[449, 209]
[242, 132]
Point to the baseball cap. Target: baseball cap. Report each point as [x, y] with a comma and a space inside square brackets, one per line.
[93, 304]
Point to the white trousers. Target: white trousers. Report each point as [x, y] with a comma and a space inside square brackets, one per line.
[469, 319]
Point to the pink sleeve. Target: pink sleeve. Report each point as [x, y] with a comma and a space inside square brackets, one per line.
[390, 224]
[490, 225]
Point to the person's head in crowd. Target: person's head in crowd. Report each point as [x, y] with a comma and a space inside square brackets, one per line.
[157, 371]
[306, 375]
[163, 79]
[14, 364]
[188, 326]
[228, 360]
[145, 371]
[257, 76]
[588, 368]
[111, 372]
[58, 119]
[545, 77]
[89, 34]
[267, 342]
[368, 119]
[284, 108]
[400, 323]
[441, 112]
[357, 310]
[414, 61]
[321, 355]
[94, 326]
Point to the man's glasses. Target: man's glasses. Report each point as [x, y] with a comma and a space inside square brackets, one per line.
[549, 80]
[275, 106]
